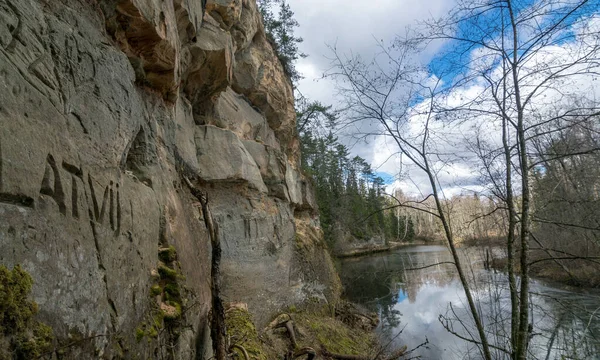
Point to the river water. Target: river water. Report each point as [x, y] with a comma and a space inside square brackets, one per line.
[419, 306]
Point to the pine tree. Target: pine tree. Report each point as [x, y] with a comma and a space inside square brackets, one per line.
[349, 194]
[280, 28]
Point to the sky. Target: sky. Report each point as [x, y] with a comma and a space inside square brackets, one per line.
[351, 25]
[355, 27]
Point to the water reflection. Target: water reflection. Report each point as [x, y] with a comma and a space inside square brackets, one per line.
[420, 302]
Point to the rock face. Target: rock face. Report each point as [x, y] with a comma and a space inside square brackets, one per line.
[105, 105]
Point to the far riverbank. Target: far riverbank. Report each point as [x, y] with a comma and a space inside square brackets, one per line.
[374, 249]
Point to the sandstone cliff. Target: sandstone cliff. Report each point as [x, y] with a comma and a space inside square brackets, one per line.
[104, 106]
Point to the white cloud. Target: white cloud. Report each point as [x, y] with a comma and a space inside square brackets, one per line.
[355, 25]
[352, 25]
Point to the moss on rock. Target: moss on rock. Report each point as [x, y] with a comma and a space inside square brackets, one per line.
[168, 254]
[155, 290]
[242, 332]
[170, 310]
[21, 336]
[166, 313]
[332, 334]
[166, 272]
[315, 329]
[172, 291]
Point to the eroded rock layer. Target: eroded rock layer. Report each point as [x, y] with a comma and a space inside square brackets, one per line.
[105, 105]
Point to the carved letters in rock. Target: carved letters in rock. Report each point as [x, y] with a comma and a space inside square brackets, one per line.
[100, 200]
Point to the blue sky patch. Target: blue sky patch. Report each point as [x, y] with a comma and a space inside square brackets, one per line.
[387, 178]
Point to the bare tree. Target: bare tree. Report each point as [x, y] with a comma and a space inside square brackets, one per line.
[376, 94]
[522, 62]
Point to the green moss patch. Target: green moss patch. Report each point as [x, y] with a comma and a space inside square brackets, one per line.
[332, 334]
[312, 329]
[139, 334]
[166, 272]
[242, 332]
[166, 313]
[172, 292]
[155, 290]
[168, 254]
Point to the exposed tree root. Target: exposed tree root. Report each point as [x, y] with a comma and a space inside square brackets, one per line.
[289, 326]
[241, 348]
[312, 354]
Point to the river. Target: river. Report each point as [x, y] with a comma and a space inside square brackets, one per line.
[413, 304]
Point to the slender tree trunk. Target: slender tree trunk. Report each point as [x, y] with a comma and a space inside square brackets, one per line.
[523, 329]
[485, 348]
[510, 240]
[523, 335]
[512, 215]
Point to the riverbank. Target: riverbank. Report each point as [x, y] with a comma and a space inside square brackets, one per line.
[374, 249]
[557, 266]
[577, 273]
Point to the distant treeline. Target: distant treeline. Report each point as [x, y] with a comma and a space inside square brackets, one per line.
[351, 197]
